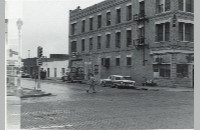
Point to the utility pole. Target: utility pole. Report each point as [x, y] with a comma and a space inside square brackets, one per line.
[39, 63]
[19, 26]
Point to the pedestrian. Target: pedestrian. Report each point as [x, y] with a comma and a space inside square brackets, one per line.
[91, 84]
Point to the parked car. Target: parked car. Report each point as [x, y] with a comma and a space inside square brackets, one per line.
[64, 78]
[118, 81]
[149, 83]
[25, 75]
[125, 82]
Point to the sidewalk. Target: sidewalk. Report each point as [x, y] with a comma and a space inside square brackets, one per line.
[157, 88]
[13, 92]
[13, 112]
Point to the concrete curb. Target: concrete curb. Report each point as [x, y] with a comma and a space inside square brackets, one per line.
[36, 95]
[26, 93]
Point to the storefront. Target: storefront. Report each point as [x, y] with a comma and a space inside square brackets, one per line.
[174, 69]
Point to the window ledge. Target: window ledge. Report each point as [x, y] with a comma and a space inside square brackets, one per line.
[162, 41]
[183, 77]
[185, 41]
[166, 12]
[186, 12]
[162, 78]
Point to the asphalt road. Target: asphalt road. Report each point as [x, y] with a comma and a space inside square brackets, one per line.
[72, 108]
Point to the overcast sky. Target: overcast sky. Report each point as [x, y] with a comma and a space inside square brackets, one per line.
[46, 24]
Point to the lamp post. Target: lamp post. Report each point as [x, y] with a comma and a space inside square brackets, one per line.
[19, 24]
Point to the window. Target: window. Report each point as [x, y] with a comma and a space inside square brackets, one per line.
[162, 32]
[117, 61]
[48, 72]
[90, 43]
[128, 38]
[63, 71]
[189, 5]
[167, 5]
[182, 70]
[181, 5]
[128, 61]
[108, 41]
[73, 46]
[128, 12]
[107, 62]
[186, 32]
[73, 28]
[189, 32]
[55, 72]
[161, 70]
[142, 9]
[118, 16]
[162, 6]
[99, 42]
[91, 23]
[167, 31]
[83, 44]
[103, 61]
[99, 19]
[141, 32]
[108, 18]
[118, 39]
[186, 5]
[83, 26]
[141, 38]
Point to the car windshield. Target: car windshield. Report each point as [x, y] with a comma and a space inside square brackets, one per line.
[127, 78]
[118, 78]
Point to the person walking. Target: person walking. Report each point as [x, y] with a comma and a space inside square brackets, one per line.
[91, 84]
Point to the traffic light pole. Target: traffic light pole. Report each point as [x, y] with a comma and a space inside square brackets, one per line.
[39, 63]
[39, 78]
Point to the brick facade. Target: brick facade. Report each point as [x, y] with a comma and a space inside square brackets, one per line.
[142, 58]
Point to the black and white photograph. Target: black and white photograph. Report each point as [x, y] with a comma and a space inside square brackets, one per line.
[99, 64]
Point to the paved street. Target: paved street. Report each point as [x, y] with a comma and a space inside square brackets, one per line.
[72, 108]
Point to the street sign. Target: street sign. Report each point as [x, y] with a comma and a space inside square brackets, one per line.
[39, 62]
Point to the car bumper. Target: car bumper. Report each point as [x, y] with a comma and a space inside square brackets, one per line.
[125, 85]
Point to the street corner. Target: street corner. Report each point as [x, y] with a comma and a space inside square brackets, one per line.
[26, 93]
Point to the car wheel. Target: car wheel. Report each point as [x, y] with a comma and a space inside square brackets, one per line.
[103, 84]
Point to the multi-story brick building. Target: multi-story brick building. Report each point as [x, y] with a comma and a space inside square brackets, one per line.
[146, 39]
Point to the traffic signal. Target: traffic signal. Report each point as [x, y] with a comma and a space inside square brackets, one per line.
[11, 52]
[40, 51]
[39, 62]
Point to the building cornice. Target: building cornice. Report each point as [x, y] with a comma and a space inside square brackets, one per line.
[96, 8]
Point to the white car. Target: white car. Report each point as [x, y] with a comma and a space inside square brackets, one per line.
[118, 81]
